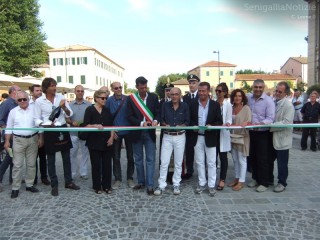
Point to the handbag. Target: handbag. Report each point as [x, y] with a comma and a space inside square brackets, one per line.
[237, 138]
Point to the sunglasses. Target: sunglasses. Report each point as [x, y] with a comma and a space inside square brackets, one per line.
[22, 99]
[174, 94]
[80, 91]
[102, 98]
[280, 92]
[168, 89]
[117, 88]
[218, 91]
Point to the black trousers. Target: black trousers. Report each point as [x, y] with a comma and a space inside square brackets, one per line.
[306, 132]
[262, 156]
[223, 156]
[101, 169]
[189, 152]
[43, 164]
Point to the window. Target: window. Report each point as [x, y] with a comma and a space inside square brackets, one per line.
[221, 73]
[82, 60]
[70, 79]
[231, 85]
[58, 79]
[73, 61]
[207, 73]
[231, 73]
[83, 79]
[54, 62]
[68, 61]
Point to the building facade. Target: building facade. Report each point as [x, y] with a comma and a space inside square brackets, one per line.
[297, 67]
[216, 72]
[77, 64]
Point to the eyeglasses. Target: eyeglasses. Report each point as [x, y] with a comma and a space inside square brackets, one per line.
[117, 88]
[174, 94]
[80, 90]
[258, 87]
[102, 98]
[218, 91]
[22, 99]
[280, 92]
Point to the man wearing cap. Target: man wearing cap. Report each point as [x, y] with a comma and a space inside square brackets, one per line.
[143, 111]
[166, 87]
[188, 98]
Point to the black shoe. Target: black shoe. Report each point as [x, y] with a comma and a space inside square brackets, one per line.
[14, 193]
[72, 186]
[303, 149]
[138, 187]
[150, 191]
[32, 189]
[35, 182]
[54, 191]
[187, 176]
[45, 181]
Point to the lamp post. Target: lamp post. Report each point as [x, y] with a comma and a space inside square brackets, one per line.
[218, 64]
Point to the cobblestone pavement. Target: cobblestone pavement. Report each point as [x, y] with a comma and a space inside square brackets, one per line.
[126, 214]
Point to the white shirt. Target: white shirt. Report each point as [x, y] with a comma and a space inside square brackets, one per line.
[43, 108]
[21, 118]
[203, 114]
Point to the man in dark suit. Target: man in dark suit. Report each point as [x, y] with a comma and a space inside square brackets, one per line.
[205, 112]
[188, 98]
[143, 110]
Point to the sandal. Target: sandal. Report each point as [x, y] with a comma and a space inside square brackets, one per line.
[233, 183]
[219, 187]
[108, 191]
[98, 191]
[237, 187]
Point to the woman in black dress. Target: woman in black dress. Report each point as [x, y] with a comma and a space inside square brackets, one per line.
[100, 143]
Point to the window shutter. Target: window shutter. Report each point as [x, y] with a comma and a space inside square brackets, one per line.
[78, 61]
[54, 62]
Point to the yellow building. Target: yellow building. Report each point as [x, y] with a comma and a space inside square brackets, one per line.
[209, 72]
[270, 80]
[183, 84]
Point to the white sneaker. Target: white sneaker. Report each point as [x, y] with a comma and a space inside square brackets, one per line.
[279, 188]
[200, 189]
[212, 192]
[252, 184]
[116, 185]
[176, 190]
[261, 188]
[131, 183]
[158, 191]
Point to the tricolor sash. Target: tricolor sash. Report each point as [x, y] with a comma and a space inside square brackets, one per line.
[139, 103]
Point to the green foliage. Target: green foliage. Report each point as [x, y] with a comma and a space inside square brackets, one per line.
[312, 88]
[290, 84]
[22, 45]
[246, 87]
[250, 71]
[164, 79]
[301, 86]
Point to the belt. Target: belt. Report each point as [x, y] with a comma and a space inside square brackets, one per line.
[297, 109]
[29, 136]
[175, 133]
[201, 134]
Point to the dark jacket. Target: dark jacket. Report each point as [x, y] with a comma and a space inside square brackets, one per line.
[187, 98]
[214, 118]
[135, 117]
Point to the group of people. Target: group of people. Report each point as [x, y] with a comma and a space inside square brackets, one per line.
[142, 112]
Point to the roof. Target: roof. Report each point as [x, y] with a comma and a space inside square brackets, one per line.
[265, 77]
[77, 48]
[182, 81]
[300, 59]
[214, 64]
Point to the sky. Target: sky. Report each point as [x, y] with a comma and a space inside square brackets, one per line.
[152, 38]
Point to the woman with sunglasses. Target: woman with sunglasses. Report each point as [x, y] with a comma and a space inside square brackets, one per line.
[241, 115]
[100, 143]
[224, 143]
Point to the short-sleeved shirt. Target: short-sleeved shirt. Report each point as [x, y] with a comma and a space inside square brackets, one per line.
[175, 117]
[78, 109]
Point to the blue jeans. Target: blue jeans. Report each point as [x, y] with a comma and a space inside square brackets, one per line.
[282, 160]
[150, 150]
[66, 167]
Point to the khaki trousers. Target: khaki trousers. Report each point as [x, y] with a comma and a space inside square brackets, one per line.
[25, 151]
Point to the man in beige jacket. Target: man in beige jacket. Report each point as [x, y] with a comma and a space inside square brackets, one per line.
[282, 137]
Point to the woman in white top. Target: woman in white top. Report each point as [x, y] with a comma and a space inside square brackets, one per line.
[224, 143]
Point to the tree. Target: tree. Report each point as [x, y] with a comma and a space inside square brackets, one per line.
[249, 71]
[301, 86]
[246, 87]
[22, 45]
[164, 79]
[312, 88]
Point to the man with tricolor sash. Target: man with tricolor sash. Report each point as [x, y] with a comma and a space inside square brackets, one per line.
[143, 110]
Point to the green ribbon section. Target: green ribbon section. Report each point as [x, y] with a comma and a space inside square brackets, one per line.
[131, 128]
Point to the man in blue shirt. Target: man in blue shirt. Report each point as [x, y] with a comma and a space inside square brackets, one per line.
[5, 108]
[118, 108]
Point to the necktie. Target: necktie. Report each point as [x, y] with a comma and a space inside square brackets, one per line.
[192, 96]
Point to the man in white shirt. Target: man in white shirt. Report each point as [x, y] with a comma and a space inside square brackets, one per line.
[55, 141]
[25, 143]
